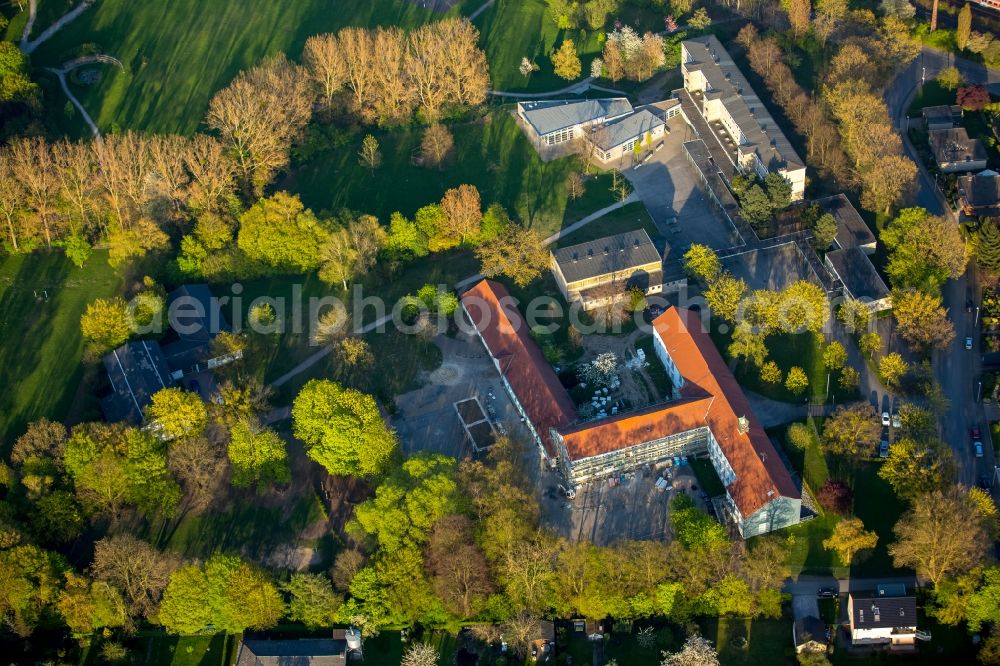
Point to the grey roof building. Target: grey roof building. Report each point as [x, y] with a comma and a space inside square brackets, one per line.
[860, 279]
[954, 150]
[612, 254]
[619, 131]
[301, 652]
[883, 612]
[136, 371]
[548, 116]
[942, 117]
[851, 228]
[738, 117]
[979, 194]
[195, 318]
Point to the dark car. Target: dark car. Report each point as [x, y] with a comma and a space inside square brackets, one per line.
[984, 482]
[826, 593]
[976, 434]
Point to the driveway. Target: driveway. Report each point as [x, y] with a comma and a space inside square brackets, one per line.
[668, 185]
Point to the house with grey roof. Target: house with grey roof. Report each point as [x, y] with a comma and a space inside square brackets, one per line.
[553, 122]
[944, 116]
[596, 271]
[738, 121]
[136, 371]
[955, 151]
[295, 652]
[979, 194]
[860, 279]
[883, 618]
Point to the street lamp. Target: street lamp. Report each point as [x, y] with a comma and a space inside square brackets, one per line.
[979, 390]
[977, 316]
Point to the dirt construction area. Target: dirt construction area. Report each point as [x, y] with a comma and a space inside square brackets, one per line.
[613, 510]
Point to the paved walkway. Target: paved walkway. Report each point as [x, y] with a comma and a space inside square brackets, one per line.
[27, 46]
[482, 8]
[69, 66]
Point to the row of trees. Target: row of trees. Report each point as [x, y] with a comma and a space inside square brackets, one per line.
[807, 115]
[386, 73]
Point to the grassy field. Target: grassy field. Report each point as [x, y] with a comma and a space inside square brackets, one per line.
[492, 154]
[40, 342]
[163, 650]
[627, 218]
[177, 54]
[744, 641]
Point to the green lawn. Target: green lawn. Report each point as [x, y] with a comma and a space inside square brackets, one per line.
[751, 642]
[932, 94]
[708, 478]
[156, 649]
[809, 461]
[627, 218]
[492, 154]
[879, 508]
[177, 54]
[804, 350]
[40, 342]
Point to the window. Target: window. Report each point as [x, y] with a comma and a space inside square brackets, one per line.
[628, 146]
[559, 137]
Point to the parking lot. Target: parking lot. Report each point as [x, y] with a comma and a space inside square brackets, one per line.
[668, 185]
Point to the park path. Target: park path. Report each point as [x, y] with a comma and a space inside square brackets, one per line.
[482, 8]
[69, 66]
[28, 46]
[577, 88]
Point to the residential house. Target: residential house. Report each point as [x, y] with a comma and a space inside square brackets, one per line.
[861, 281]
[729, 109]
[295, 652]
[851, 228]
[809, 635]
[941, 117]
[597, 271]
[553, 122]
[184, 356]
[707, 414]
[954, 151]
[882, 620]
[979, 194]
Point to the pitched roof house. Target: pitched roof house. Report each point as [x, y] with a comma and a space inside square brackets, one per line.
[297, 652]
[885, 620]
[708, 413]
[955, 151]
[979, 194]
[627, 259]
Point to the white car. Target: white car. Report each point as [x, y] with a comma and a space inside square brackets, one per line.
[897, 422]
[885, 418]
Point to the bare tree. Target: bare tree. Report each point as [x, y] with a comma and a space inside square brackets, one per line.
[11, 200]
[34, 166]
[370, 156]
[140, 571]
[367, 238]
[326, 63]
[212, 172]
[123, 167]
[436, 145]
[425, 67]
[357, 46]
[200, 465]
[394, 103]
[466, 74]
[169, 179]
[78, 184]
[463, 212]
[459, 571]
[260, 114]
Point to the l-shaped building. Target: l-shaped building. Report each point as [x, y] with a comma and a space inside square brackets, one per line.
[708, 413]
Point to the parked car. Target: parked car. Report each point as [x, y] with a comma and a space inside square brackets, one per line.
[885, 418]
[979, 449]
[826, 593]
[896, 421]
[984, 482]
[883, 449]
[968, 342]
[976, 434]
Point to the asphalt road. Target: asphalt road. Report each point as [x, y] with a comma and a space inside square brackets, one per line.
[956, 368]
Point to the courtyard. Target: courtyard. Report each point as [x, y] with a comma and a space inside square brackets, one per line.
[773, 268]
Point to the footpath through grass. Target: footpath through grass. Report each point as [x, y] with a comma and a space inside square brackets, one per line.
[42, 296]
[177, 54]
[493, 154]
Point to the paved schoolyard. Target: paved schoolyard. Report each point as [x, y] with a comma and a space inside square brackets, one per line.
[604, 513]
[426, 419]
[669, 187]
[771, 268]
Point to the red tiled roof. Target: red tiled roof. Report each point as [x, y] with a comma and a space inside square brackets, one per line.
[753, 458]
[494, 313]
[710, 396]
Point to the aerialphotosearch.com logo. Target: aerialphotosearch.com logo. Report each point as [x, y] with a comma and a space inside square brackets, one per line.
[327, 317]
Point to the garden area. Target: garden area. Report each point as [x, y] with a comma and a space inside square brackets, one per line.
[630, 217]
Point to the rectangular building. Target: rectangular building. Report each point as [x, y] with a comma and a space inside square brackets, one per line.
[955, 152]
[585, 272]
[882, 620]
[708, 414]
[735, 114]
[553, 122]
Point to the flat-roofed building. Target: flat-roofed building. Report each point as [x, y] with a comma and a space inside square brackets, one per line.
[737, 117]
[598, 270]
[708, 413]
[851, 228]
[860, 279]
[553, 122]
[941, 117]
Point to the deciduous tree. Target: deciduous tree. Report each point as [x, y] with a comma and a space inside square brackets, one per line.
[939, 536]
[724, 296]
[312, 600]
[799, 12]
[436, 145]
[922, 320]
[178, 413]
[891, 369]
[914, 469]
[701, 262]
[463, 214]
[850, 538]
[257, 455]
[280, 232]
[136, 568]
[850, 429]
[516, 253]
[342, 429]
[370, 155]
[326, 63]
[834, 356]
[925, 250]
[566, 62]
[964, 26]
[106, 324]
[796, 380]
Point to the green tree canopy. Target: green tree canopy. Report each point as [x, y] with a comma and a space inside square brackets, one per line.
[178, 413]
[694, 528]
[224, 594]
[112, 465]
[257, 455]
[280, 232]
[702, 263]
[15, 80]
[106, 324]
[924, 250]
[31, 579]
[724, 296]
[342, 429]
[988, 246]
[408, 503]
[312, 600]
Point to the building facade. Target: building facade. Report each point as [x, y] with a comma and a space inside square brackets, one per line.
[736, 117]
[883, 620]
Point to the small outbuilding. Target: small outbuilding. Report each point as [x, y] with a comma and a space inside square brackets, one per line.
[941, 117]
[809, 635]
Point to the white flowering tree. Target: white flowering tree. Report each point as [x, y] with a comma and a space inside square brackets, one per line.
[597, 68]
[697, 651]
[527, 67]
[420, 654]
